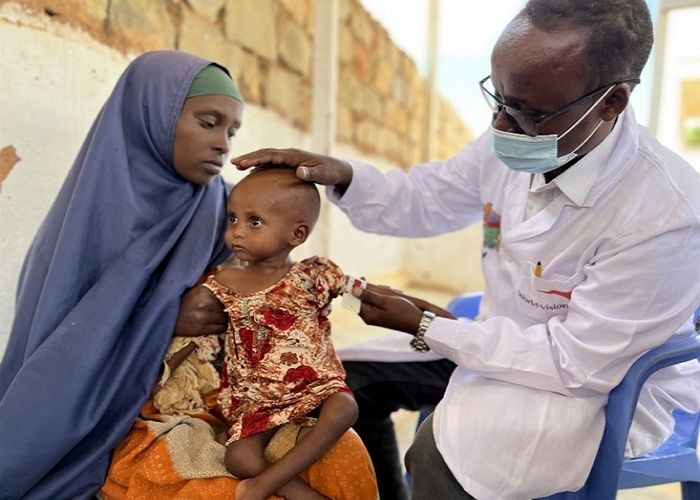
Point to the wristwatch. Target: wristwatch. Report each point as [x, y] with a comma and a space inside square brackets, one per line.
[418, 342]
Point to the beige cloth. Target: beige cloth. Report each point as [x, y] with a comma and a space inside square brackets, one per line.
[180, 391]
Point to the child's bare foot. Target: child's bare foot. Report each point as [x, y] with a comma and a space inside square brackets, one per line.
[248, 490]
[251, 489]
[299, 490]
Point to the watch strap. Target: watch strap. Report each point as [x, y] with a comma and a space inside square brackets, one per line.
[418, 342]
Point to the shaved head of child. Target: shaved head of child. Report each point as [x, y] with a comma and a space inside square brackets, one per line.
[277, 184]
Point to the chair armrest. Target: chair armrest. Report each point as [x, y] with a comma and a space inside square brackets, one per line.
[622, 403]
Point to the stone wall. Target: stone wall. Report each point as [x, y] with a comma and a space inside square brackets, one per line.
[382, 105]
[268, 46]
[60, 60]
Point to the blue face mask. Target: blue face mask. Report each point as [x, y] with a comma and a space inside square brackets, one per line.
[538, 154]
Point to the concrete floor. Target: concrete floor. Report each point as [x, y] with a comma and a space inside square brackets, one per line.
[349, 328]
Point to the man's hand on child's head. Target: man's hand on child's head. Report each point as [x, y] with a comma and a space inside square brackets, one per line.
[311, 167]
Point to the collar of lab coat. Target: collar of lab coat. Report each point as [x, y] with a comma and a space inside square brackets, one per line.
[577, 181]
[621, 149]
[625, 152]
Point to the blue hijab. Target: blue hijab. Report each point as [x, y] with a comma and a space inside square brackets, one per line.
[100, 288]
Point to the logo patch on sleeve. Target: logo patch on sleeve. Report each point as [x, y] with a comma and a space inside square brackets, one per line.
[492, 229]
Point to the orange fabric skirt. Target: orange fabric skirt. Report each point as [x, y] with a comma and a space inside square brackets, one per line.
[165, 457]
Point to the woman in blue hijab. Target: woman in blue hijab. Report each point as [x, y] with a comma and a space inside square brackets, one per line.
[135, 224]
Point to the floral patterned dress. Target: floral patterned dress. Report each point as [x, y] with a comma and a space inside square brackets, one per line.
[280, 362]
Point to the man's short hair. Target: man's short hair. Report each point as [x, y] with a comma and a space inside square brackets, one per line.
[620, 38]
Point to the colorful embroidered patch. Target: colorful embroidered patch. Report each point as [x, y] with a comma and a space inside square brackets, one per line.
[492, 228]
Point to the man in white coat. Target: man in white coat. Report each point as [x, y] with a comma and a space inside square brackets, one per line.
[590, 258]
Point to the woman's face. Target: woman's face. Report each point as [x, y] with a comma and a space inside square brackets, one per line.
[202, 136]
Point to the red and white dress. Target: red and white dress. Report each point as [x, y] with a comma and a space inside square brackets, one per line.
[280, 361]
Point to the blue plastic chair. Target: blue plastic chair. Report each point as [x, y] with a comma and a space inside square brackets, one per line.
[465, 305]
[675, 460]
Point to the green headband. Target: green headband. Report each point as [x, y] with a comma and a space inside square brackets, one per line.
[214, 80]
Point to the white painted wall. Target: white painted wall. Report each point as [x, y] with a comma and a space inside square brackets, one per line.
[54, 81]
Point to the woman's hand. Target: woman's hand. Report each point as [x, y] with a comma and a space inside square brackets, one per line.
[312, 167]
[200, 314]
[388, 308]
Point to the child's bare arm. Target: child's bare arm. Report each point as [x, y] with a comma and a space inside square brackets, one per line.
[177, 358]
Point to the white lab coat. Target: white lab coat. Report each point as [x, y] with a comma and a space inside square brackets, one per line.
[523, 413]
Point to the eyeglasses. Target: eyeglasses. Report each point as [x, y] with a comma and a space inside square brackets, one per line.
[529, 122]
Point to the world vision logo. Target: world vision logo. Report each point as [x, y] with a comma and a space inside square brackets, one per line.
[492, 229]
[538, 305]
[566, 295]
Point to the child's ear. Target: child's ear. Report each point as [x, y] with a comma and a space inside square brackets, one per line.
[301, 232]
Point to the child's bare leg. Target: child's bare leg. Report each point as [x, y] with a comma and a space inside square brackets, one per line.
[244, 459]
[295, 489]
[337, 415]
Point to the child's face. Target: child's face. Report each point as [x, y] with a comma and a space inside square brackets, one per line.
[202, 136]
[261, 226]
